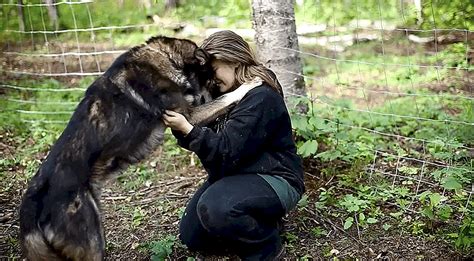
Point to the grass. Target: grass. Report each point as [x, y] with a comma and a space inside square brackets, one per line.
[342, 138]
[392, 71]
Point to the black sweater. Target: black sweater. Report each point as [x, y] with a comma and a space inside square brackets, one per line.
[256, 139]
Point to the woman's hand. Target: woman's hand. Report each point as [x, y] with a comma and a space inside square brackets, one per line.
[177, 121]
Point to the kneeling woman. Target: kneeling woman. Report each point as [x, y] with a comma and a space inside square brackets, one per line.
[255, 176]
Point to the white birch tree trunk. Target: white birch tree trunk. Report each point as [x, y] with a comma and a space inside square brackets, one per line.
[277, 43]
[419, 11]
[21, 17]
[53, 13]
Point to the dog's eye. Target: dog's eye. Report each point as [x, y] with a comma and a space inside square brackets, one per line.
[190, 91]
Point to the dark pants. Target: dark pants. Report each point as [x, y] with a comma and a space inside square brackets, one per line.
[238, 213]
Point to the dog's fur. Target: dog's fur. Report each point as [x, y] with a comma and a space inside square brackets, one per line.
[117, 123]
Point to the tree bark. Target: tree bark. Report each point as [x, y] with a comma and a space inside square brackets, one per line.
[419, 11]
[277, 43]
[53, 13]
[171, 4]
[146, 4]
[21, 17]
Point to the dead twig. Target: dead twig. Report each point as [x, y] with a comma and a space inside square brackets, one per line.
[329, 181]
[336, 227]
[5, 217]
[115, 198]
[185, 185]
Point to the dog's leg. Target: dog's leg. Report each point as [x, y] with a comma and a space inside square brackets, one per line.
[203, 114]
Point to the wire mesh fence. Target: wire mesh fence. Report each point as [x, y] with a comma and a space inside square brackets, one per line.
[357, 75]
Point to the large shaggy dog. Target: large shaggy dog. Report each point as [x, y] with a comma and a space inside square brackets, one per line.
[117, 123]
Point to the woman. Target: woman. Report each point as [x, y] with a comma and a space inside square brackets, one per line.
[255, 176]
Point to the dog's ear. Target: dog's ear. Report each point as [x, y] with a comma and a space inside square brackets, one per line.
[202, 56]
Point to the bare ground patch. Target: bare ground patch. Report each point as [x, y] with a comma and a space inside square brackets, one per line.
[134, 218]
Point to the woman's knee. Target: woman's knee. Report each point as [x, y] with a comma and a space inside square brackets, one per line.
[196, 237]
[193, 237]
[214, 215]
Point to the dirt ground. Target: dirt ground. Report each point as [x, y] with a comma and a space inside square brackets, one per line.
[161, 201]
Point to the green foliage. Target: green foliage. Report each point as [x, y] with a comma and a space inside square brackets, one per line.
[435, 13]
[465, 236]
[453, 55]
[340, 12]
[215, 13]
[161, 249]
[308, 148]
[227, 13]
[138, 216]
[355, 207]
[432, 206]
[290, 237]
[319, 232]
[46, 100]
[316, 128]
[303, 202]
[325, 198]
[332, 128]
[337, 134]
[348, 222]
[31, 142]
[448, 14]
[353, 204]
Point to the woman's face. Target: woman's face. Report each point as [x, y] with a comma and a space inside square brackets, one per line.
[225, 75]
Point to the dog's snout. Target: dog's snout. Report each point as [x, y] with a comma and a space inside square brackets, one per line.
[205, 96]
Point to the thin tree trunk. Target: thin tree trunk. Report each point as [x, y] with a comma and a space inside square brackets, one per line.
[53, 13]
[146, 4]
[419, 11]
[171, 4]
[21, 17]
[277, 43]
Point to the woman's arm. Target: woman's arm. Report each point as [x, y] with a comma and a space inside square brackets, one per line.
[244, 136]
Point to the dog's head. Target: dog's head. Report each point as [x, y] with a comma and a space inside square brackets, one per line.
[191, 68]
[166, 73]
[200, 74]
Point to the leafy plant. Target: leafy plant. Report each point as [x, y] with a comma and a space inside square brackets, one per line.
[448, 14]
[303, 202]
[356, 207]
[465, 236]
[319, 232]
[432, 207]
[138, 216]
[290, 237]
[161, 249]
[325, 198]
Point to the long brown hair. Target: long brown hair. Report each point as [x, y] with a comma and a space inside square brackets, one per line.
[230, 47]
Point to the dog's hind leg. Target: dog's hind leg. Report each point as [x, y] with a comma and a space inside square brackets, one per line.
[35, 248]
[39, 250]
[74, 233]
